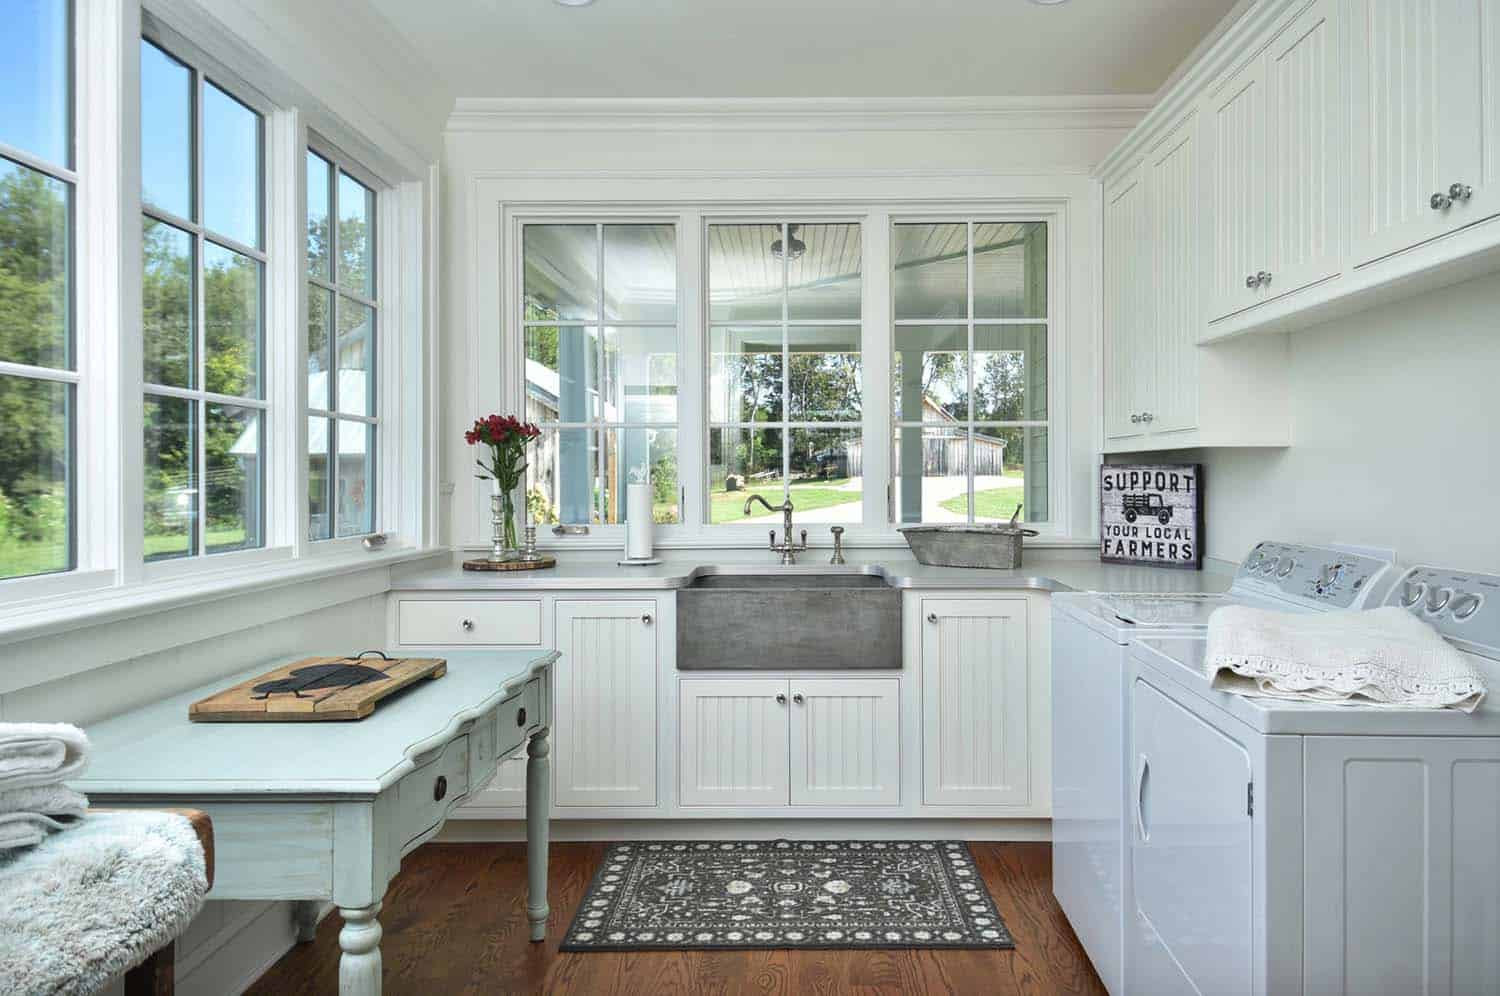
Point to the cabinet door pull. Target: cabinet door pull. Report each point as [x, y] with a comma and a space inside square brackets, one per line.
[1262, 279]
[1250, 281]
[1460, 192]
[468, 625]
[1135, 419]
[932, 617]
[1440, 201]
[781, 698]
[646, 619]
[1142, 772]
[797, 698]
[440, 788]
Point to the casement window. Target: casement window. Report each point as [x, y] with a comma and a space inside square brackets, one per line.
[342, 334]
[203, 271]
[38, 372]
[785, 396]
[969, 371]
[600, 368]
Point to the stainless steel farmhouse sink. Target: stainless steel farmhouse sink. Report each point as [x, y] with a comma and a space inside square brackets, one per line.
[732, 619]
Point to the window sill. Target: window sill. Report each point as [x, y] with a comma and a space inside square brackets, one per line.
[50, 616]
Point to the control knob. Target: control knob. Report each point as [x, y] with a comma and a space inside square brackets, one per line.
[1438, 599]
[1288, 564]
[1330, 574]
[1269, 567]
[1411, 594]
[1465, 605]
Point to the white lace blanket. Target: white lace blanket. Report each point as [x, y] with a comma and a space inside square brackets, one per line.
[1381, 657]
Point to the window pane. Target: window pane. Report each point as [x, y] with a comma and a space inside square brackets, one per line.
[562, 478]
[356, 354]
[233, 448]
[930, 276]
[640, 273]
[930, 373]
[653, 450]
[744, 276]
[1010, 373]
[640, 371]
[35, 425]
[231, 167]
[231, 306]
[166, 132]
[355, 488]
[356, 236]
[1024, 481]
[35, 83]
[1010, 270]
[824, 282]
[824, 374]
[319, 181]
[171, 505]
[745, 381]
[744, 462]
[318, 441]
[562, 272]
[167, 303]
[930, 467]
[34, 247]
[319, 332]
[826, 483]
[562, 380]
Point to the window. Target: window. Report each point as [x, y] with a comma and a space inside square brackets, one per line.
[969, 367]
[784, 386]
[600, 368]
[202, 292]
[38, 375]
[342, 324]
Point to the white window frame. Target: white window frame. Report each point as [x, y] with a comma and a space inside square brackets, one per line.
[969, 424]
[384, 331]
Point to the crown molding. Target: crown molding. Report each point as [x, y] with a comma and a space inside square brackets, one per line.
[1080, 113]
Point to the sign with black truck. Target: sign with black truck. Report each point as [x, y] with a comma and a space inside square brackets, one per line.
[1151, 515]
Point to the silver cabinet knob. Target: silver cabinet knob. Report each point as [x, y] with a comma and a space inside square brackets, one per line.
[646, 619]
[1135, 420]
[932, 617]
[780, 698]
[1147, 417]
[1440, 201]
[1251, 282]
[468, 625]
[1262, 278]
[797, 698]
[1460, 192]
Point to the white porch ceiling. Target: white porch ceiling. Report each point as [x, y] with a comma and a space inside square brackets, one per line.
[803, 48]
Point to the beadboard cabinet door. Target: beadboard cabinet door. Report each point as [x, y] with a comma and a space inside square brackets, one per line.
[1175, 213]
[846, 742]
[1128, 373]
[1240, 198]
[604, 743]
[976, 748]
[733, 742]
[1422, 95]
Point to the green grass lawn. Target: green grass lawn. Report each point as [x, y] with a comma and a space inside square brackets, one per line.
[177, 543]
[18, 558]
[993, 503]
[729, 506]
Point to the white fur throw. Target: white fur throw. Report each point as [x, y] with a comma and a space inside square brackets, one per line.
[1382, 657]
[40, 753]
[85, 906]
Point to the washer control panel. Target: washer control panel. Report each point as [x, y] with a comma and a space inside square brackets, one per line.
[1461, 605]
[1322, 576]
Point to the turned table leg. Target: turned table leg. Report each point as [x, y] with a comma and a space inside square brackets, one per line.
[359, 940]
[538, 807]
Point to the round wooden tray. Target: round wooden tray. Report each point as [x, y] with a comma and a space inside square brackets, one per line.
[482, 564]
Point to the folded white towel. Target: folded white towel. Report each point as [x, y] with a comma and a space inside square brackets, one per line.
[1382, 657]
[40, 753]
[27, 815]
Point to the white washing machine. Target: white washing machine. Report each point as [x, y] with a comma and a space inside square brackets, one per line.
[1090, 638]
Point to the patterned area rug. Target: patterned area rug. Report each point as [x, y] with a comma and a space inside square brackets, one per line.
[682, 895]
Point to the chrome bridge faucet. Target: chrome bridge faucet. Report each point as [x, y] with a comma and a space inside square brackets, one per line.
[787, 548]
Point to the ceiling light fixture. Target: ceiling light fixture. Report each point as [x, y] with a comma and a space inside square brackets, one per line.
[572, 3]
[1039, 3]
[798, 247]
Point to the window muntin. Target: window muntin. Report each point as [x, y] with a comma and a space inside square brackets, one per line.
[342, 333]
[38, 377]
[785, 398]
[969, 371]
[203, 312]
[600, 351]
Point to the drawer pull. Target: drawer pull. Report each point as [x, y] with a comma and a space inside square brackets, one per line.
[468, 625]
[932, 617]
[646, 619]
[521, 716]
[440, 788]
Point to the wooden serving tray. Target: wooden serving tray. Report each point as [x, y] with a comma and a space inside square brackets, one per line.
[316, 689]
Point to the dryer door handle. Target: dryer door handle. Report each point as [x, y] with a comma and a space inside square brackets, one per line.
[1142, 773]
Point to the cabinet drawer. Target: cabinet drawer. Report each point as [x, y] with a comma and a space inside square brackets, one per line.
[517, 717]
[424, 797]
[470, 623]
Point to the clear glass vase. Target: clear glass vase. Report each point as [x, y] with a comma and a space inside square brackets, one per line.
[503, 545]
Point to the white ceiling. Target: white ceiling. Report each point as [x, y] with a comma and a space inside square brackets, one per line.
[811, 48]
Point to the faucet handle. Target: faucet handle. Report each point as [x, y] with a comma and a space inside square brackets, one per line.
[838, 545]
[773, 539]
[804, 539]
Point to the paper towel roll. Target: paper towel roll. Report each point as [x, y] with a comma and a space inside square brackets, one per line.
[638, 525]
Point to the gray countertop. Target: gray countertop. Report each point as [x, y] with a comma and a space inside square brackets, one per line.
[1044, 570]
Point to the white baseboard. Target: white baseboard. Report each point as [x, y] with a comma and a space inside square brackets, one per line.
[471, 831]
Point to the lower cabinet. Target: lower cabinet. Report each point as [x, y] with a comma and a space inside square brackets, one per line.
[799, 742]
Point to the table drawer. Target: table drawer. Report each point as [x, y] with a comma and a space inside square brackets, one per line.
[517, 717]
[470, 623]
[424, 797]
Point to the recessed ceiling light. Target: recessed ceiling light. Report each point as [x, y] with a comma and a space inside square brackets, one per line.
[585, 3]
[1040, 3]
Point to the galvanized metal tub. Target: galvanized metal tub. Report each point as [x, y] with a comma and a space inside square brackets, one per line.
[997, 547]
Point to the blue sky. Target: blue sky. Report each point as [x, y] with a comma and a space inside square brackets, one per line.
[34, 78]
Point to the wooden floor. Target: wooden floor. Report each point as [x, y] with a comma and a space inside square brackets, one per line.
[455, 922]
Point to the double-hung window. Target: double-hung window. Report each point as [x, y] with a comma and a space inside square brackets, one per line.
[784, 388]
[203, 325]
[342, 334]
[600, 368]
[38, 374]
[969, 366]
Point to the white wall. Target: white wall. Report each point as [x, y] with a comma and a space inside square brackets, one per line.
[1396, 438]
